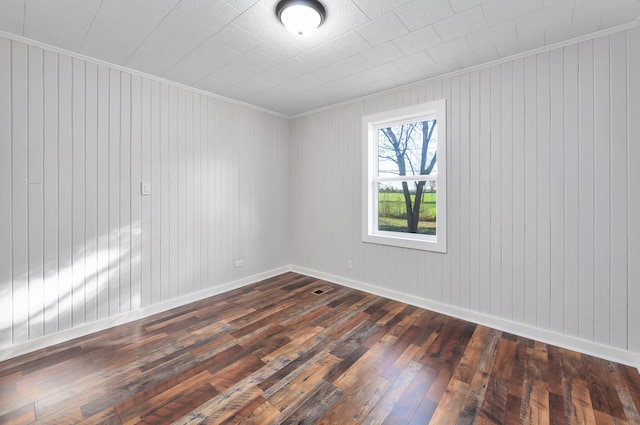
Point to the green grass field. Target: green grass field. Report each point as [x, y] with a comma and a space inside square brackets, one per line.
[400, 225]
[393, 214]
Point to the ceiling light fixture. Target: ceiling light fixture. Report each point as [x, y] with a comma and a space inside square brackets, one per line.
[301, 17]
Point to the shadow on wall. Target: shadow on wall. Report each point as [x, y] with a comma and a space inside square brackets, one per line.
[57, 293]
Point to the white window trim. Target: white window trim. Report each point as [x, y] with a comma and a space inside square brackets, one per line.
[370, 125]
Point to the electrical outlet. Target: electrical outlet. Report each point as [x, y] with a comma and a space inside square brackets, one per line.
[238, 263]
[350, 264]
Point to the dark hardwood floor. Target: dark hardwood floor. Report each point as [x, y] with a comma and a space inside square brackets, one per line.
[279, 352]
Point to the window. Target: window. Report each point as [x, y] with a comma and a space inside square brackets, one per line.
[404, 166]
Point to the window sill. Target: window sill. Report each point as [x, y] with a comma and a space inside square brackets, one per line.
[413, 241]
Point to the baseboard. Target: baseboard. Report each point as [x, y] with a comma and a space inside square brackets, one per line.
[100, 325]
[550, 337]
[572, 343]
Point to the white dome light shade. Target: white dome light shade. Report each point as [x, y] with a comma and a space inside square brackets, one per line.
[301, 17]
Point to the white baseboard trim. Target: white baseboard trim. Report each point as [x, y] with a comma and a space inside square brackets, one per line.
[547, 336]
[550, 337]
[121, 319]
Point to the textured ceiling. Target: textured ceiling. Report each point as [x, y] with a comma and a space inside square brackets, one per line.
[238, 49]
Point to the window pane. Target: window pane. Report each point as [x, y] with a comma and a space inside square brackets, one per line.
[408, 149]
[393, 214]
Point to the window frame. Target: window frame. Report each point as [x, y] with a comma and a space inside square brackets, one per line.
[370, 125]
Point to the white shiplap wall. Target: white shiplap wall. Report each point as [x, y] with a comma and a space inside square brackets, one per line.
[78, 244]
[543, 197]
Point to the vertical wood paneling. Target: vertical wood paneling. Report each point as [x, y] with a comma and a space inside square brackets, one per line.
[454, 200]
[199, 180]
[102, 219]
[173, 199]
[633, 40]
[225, 202]
[35, 120]
[114, 192]
[466, 278]
[146, 250]
[190, 219]
[530, 189]
[91, 192]
[36, 289]
[65, 194]
[19, 182]
[157, 246]
[78, 164]
[518, 211]
[474, 190]
[602, 190]
[619, 191]
[182, 221]
[485, 191]
[506, 115]
[136, 170]
[543, 295]
[557, 278]
[587, 185]
[216, 184]
[164, 230]
[207, 123]
[124, 163]
[495, 200]
[6, 219]
[571, 191]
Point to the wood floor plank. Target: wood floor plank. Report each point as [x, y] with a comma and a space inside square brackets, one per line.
[283, 375]
[304, 384]
[263, 414]
[393, 394]
[23, 415]
[356, 403]
[602, 389]
[405, 408]
[504, 359]
[314, 406]
[451, 404]
[494, 403]
[276, 352]
[556, 409]
[108, 416]
[143, 403]
[578, 408]
[475, 397]
[245, 411]
[424, 412]
[630, 409]
[517, 370]
[470, 360]
[182, 403]
[535, 393]
[364, 363]
[391, 373]
[220, 408]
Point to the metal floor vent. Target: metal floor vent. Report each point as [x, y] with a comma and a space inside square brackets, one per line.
[318, 291]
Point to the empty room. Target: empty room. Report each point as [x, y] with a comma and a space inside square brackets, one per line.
[320, 212]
